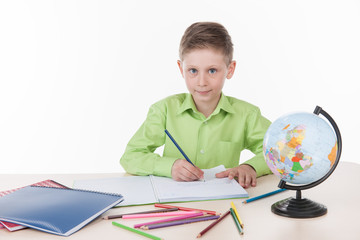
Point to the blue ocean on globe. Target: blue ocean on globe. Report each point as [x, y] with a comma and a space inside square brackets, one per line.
[300, 148]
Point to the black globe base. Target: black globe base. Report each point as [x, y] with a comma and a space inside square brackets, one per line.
[298, 208]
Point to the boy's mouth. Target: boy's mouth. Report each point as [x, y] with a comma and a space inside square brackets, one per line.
[203, 92]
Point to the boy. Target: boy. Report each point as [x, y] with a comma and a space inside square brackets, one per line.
[211, 128]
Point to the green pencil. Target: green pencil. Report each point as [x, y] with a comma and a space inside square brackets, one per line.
[136, 231]
[236, 221]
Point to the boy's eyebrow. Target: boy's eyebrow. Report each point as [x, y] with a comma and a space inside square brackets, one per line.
[193, 66]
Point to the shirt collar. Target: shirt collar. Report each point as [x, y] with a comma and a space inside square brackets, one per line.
[223, 104]
[188, 103]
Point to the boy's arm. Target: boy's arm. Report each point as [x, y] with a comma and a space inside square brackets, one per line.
[139, 157]
[256, 129]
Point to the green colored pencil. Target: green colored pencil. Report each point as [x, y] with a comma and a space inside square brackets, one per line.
[136, 231]
[236, 221]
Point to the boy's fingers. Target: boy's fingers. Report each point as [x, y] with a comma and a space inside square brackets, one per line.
[222, 174]
[200, 173]
[183, 174]
[182, 170]
[253, 182]
[185, 178]
[191, 173]
[241, 180]
[232, 175]
[248, 180]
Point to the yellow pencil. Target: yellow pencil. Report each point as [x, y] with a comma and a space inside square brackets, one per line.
[237, 214]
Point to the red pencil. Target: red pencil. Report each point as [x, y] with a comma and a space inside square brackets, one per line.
[213, 224]
[187, 209]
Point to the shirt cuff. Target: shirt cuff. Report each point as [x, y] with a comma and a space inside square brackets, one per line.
[259, 165]
[163, 166]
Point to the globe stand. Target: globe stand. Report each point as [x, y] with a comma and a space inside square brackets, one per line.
[298, 207]
[302, 207]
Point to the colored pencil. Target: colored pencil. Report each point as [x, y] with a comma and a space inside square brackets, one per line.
[151, 211]
[264, 195]
[136, 231]
[180, 222]
[213, 224]
[170, 219]
[237, 214]
[178, 147]
[236, 221]
[166, 214]
[186, 209]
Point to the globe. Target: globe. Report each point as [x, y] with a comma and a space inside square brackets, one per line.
[302, 149]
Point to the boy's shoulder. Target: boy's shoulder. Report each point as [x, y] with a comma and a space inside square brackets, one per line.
[172, 100]
[239, 105]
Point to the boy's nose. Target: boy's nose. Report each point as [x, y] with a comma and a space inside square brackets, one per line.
[202, 81]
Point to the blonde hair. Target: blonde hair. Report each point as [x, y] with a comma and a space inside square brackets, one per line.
[202, 35]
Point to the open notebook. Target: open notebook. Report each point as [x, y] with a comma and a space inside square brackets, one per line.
[138, 190]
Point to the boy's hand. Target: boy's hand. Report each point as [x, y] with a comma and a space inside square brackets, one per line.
[245, 173]
[184, 171]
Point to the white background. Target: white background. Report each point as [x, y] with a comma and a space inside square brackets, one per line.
[77, 77]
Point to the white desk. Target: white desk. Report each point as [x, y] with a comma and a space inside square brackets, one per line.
[340, 193]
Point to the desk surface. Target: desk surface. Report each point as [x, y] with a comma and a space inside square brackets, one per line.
[340, 193]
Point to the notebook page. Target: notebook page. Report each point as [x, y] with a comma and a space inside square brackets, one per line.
[209, 174]
[169, 190]
[135, 189]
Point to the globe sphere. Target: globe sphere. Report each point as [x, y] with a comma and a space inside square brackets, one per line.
[300, 148]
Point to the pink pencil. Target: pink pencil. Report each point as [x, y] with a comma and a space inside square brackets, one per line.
[166, 214]
[170, 219]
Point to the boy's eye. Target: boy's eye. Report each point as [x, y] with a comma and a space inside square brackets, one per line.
[192, 70]
[212, 71]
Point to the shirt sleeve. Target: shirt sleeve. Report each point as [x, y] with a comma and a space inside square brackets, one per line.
[139, 157]
[256, 128]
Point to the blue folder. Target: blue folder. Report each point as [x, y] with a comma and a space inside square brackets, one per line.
[55, 210]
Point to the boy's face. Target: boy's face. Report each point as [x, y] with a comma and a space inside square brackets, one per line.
[205, 71]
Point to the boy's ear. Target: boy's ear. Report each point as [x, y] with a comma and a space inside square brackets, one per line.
[231, 69]
[180, 67]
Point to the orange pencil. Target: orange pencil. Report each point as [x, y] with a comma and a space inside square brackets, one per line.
[186, 209]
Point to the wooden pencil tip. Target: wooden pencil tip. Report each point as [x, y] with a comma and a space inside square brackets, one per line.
[199, 235]
[106, 218]
[244, 202]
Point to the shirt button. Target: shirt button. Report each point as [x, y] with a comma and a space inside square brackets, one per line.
[202, 151]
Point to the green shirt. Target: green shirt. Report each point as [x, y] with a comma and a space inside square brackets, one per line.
[235, 125]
